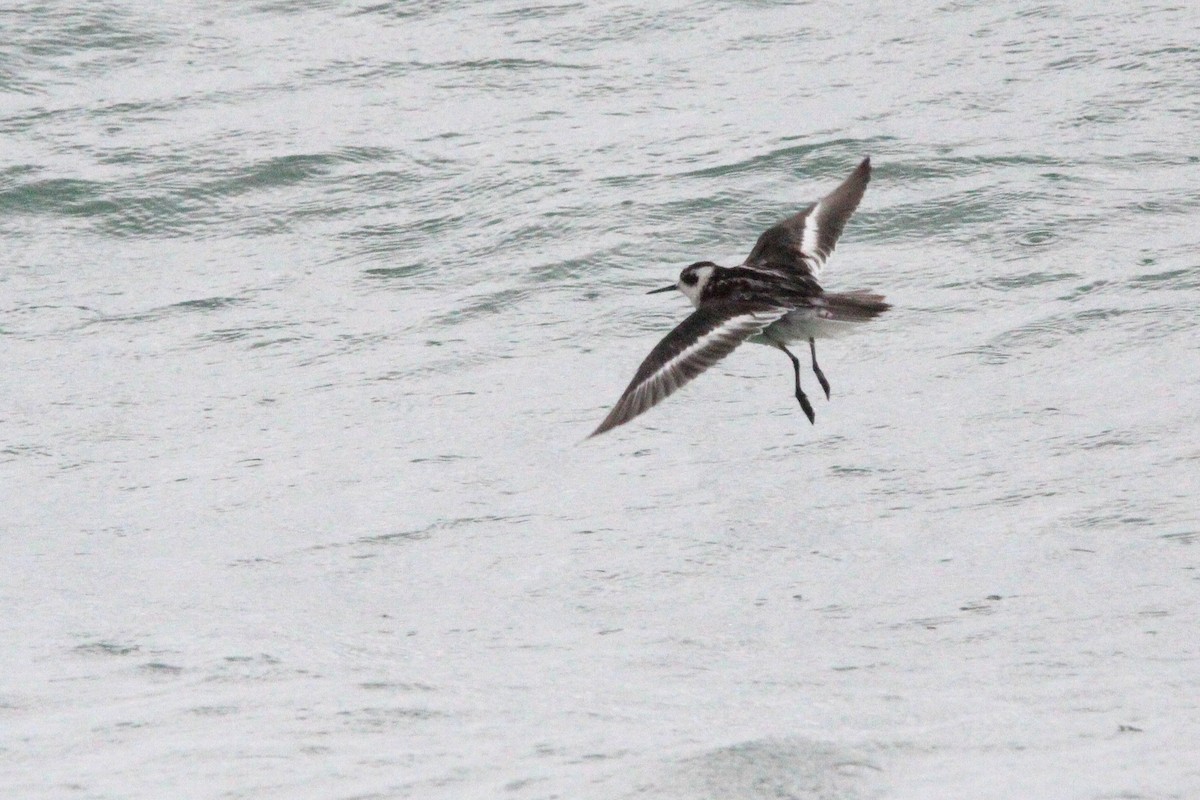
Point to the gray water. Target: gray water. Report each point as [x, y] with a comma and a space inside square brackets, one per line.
[306, 309]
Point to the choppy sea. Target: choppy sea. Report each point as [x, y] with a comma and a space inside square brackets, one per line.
[306, 309]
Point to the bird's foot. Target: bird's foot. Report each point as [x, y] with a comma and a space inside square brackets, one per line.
[806, 406]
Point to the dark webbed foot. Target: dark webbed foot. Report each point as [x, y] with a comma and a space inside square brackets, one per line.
[812, 348]
[800, 395]
[806, 406]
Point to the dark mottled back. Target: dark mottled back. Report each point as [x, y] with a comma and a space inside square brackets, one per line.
[751, 285]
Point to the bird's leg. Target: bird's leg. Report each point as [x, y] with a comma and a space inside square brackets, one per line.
[803, 398]
[812, 348]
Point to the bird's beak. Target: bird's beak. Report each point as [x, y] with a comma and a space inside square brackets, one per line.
[663, 289]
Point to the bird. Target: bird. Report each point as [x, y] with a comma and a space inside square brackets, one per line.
[773, 298]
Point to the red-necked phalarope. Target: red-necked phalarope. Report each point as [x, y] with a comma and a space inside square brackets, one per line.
[773, 299]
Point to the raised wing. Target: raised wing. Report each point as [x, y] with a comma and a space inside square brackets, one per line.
[708, 335]
[802, 243]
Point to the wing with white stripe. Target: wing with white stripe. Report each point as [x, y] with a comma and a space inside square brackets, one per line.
[804, 242]
[708, 335]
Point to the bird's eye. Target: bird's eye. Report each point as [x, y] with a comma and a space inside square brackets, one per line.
[690, 278]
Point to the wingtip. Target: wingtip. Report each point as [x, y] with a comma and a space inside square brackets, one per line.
[603, 427]
[862, 172]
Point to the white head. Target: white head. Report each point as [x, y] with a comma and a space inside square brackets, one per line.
[692, 281]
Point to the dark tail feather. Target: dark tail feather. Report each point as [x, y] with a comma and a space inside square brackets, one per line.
[859, 305]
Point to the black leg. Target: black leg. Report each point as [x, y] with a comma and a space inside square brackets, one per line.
[812, 348]
[800, 395]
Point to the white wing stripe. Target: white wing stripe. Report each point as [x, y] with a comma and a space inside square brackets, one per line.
[811, 237]
[739, 327]
[708, 348]
[672, 374]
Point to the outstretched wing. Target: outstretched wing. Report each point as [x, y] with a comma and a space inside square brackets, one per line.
[708, 335]
[802, 243]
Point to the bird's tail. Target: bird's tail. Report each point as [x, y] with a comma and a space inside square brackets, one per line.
[859, 305]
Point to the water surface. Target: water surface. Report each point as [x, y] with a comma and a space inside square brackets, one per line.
[305, 309]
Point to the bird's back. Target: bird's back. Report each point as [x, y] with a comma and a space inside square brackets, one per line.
[783, 288]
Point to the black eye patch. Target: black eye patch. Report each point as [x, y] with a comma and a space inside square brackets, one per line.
[690, 278]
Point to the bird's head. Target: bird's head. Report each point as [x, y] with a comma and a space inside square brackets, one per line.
[691, 281]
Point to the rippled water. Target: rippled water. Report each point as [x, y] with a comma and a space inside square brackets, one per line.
[305, 309]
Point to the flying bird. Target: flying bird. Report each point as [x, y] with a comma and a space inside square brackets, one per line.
[773, 299]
